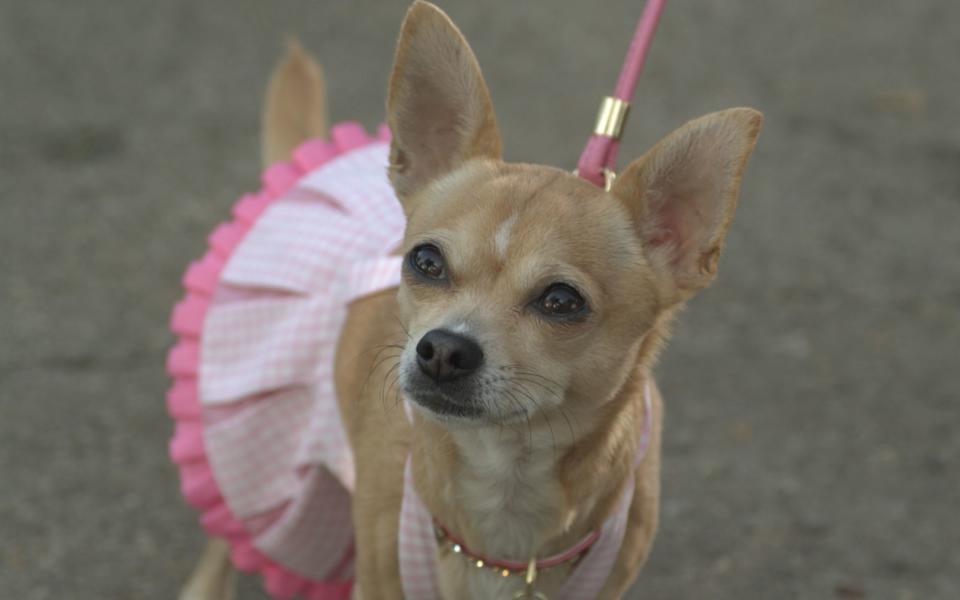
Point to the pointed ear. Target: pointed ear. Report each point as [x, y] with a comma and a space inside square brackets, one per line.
[438, 106]
[682, 194]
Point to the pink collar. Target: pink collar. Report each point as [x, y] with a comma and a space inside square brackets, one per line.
[514, 567]
[595, 553]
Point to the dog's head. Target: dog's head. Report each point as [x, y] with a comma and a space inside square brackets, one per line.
[525, 288]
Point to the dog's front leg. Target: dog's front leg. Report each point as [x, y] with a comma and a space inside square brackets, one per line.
[378, 565]
[214, 578]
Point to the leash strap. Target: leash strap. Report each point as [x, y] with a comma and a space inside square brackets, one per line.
[599, 158]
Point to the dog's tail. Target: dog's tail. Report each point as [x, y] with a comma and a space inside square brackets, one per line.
[295, 108]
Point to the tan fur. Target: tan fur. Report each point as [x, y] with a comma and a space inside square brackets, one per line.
[295, 108]
[721, 143]
[213, 578]
[637, 254]
[462, 122]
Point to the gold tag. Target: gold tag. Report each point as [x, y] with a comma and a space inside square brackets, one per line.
[528, 592]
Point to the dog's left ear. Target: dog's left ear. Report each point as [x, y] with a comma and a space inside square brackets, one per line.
[438, 106]
[682, 194]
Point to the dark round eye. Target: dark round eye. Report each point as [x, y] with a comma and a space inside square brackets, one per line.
[427, 261]
[561, 300]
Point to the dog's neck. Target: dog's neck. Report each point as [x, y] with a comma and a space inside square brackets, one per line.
[521, 490]
[506, 490]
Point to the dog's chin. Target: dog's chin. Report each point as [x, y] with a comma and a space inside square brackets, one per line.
[447, 409]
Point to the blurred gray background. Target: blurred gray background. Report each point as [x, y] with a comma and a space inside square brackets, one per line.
[811, 447]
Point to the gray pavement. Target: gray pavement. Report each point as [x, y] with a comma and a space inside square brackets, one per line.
[811, 447]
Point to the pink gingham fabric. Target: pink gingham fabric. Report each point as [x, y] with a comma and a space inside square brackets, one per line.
[273, 433]
[418, 542]
[259, 443]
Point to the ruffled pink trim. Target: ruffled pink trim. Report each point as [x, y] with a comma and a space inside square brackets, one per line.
[197, 482]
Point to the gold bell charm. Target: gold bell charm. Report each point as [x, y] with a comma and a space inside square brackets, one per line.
[528, 592]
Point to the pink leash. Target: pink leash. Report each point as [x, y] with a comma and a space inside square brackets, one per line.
[599, 159]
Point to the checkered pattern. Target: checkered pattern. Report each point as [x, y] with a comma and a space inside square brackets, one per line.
[272, 433]
[594, 569]
[417, 544]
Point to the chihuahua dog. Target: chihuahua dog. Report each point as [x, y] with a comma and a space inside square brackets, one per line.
[530, 313]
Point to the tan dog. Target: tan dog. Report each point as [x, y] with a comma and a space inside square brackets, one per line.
[531, 311]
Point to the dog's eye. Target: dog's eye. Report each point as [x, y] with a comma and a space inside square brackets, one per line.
[561, 300]
[428, 261]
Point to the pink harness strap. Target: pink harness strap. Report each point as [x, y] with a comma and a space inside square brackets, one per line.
[600, 155]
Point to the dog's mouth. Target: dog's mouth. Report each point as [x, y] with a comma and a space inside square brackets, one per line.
[458, 400]
[446, 406]
[478, 399]
[462, 406]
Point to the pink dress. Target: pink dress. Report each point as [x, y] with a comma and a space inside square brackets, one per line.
[259, 443]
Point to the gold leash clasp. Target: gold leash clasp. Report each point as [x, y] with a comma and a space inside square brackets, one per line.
[612, 117]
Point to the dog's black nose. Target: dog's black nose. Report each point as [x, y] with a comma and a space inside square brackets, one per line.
[445, 356]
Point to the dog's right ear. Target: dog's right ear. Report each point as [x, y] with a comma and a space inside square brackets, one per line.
[438, 106]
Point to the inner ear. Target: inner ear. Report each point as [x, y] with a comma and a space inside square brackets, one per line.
[438, 105]
[683, 210]
[683, 193]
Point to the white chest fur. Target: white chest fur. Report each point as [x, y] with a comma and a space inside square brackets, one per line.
[509, 492]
